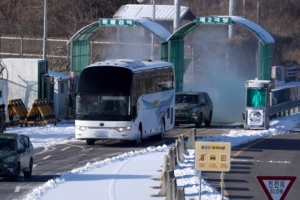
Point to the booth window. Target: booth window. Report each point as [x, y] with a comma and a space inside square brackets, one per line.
[256, 97]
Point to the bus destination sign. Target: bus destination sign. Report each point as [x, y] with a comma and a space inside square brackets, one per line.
[116, 22]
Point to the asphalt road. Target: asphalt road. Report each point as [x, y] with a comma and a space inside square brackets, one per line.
[273, 156]
[249, 161]
[50, 162]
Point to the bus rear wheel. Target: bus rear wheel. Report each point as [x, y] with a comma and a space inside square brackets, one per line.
[90, 141]
[161, 135]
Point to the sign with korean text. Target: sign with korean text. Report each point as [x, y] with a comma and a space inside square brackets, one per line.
[116, 22]
[212, 156]
[214, 20]
[276, 187]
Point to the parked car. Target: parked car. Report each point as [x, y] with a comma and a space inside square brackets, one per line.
[193, 107]
[16, 155]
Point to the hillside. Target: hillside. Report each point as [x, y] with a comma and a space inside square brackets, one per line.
[280, 18]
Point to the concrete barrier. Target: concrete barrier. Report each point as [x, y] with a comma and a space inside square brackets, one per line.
[173, 160]
[171, 192]
[166, 166]
[182, 150]
[191, 139]
[176, 144]
[180, 193]
[165, 183]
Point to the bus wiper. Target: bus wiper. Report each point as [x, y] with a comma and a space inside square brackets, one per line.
[89, 114]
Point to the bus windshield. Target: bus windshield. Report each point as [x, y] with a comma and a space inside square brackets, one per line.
[102, 105]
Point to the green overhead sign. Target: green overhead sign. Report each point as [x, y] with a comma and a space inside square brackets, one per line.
[214, 20]
[116, 22]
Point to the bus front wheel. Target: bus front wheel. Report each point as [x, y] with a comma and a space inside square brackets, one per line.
[90, 141]
[138, 139]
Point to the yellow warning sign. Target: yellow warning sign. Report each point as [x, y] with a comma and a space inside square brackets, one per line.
[212, 156]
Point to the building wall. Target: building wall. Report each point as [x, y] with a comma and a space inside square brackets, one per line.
[22, 78]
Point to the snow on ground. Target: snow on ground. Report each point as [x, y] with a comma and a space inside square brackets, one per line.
[129, 176]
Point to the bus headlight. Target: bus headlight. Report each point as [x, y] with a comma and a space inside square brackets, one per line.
[81, 128]
[122, 129]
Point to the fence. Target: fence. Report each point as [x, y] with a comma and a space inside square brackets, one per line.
[285, 94]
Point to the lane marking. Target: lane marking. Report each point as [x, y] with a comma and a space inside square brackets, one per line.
[235, 155]
[34, 165]
[46, 157]
[65, 148]
[260, 161]
[17, 189]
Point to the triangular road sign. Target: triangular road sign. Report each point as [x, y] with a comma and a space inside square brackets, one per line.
[276, 187]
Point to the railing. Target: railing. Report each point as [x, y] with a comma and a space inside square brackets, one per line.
[285, 100]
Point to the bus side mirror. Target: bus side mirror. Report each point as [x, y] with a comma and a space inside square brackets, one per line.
[133, 111]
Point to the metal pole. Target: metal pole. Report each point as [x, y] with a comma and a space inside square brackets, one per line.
[222, 182]
[45, 30]
[244, 3]
[152, 35]
[176, 22]
[232, 12]
[199, 185]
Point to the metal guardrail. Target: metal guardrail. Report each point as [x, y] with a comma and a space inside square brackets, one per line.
[286, 99]
[283, 107]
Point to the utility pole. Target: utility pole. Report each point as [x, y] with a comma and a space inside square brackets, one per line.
[152, 38]
[176, 22]
[45, 30]
[232, 12]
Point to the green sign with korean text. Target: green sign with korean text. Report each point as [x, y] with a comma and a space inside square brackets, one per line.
[214, 20]
[116, 22]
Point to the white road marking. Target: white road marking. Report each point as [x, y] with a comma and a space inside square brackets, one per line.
[46, 157]
[65, 148]
[34, 165]
[17, 189]
[251, 160]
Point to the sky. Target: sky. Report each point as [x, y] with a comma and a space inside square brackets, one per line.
[130, 175]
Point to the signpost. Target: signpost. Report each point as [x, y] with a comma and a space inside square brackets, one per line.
[276, 187]
[212, 156]
[214, 20]
[116, 22]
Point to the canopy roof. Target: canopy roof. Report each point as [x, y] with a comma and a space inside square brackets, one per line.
[257, 30]
[159, 31]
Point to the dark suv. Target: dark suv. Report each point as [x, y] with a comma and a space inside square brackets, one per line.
[16, 152]
[193, 107]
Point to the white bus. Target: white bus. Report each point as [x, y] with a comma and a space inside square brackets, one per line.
[125, 100]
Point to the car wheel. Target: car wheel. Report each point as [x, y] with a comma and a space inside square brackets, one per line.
[161, 135]
[138, 139]
[27, 174]
[208, 122]
[16, 177]
[90, 141]
[200, 119]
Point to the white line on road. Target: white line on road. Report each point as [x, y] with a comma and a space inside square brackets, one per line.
[17, 189]
[34, 165]
[251, 160]
[65, 148]
[46, 157]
